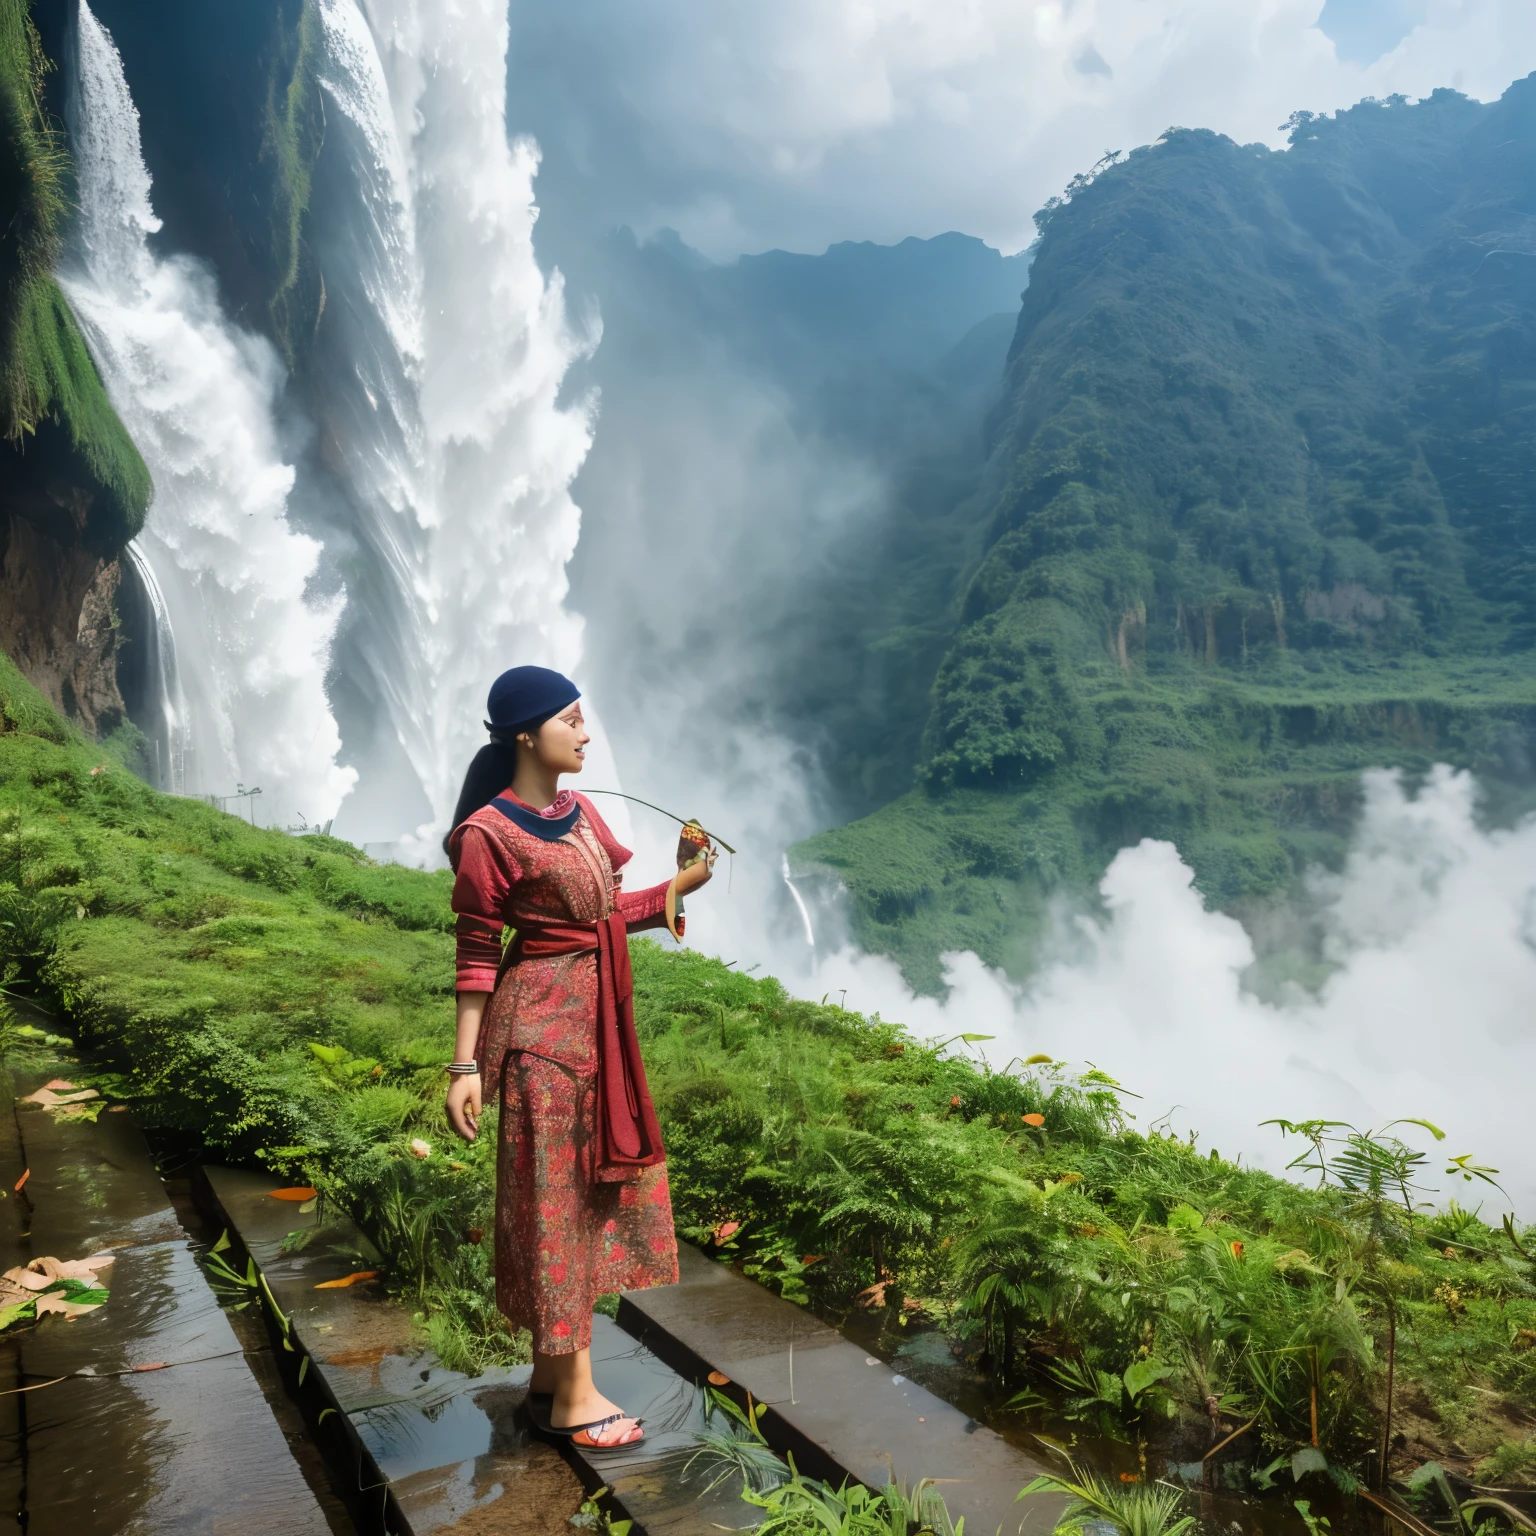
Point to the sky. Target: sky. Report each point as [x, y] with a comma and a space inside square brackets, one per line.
[747, 126]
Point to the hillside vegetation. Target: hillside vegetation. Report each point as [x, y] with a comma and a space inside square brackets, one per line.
[1256, 516]
[287, 1002]
[48, 384]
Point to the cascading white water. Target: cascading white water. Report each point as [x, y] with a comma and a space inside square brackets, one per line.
[197, 395]
[446, 351]
[169, 732]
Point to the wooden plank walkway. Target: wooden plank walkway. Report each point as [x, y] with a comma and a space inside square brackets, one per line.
[841, 1412]
[191, 1448]
[438, 1453]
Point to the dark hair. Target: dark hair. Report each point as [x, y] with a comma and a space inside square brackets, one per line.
[491, 769]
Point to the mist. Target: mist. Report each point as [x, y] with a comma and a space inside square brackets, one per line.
[1428, 938]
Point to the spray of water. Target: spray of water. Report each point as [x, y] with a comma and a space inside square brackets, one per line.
[227, 573]
[441, 374]
[1431, 932]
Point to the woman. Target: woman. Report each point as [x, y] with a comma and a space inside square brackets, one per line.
[582, 1207]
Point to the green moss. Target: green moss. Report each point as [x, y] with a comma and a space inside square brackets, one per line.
[295, 129]
[46, 373]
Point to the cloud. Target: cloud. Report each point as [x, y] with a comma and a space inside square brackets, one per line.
[1430, 928]
[810, 121]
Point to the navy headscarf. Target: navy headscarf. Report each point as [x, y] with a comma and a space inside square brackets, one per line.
[521, 699]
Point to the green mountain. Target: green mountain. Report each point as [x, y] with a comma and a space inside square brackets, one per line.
[1257, 515]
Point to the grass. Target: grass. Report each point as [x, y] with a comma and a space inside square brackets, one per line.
[286, 1002]
[46, 373]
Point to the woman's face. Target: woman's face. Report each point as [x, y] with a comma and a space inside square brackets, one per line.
[561, 741]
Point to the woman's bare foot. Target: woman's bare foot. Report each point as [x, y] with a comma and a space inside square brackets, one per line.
[581, 1403]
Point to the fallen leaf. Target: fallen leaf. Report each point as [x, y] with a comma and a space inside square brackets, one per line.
[51, 1100]
[58, 1085]
[299, 1192]
[954, 1102]
[726, 1231]
[811, 1258]
[475, 1234]
[346, 1280]
[53, 1301]
[420, 1148]
[1035, 1120]
[21, 1311]
[151, 1365]
[30, 1279]
[1130, 1477]
[309, 1205]
[718, 1379]
[70, 1269]
[26, 1174]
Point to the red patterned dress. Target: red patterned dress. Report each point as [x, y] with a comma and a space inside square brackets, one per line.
[563, 1237]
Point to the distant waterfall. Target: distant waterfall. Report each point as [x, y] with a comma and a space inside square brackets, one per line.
[437, 385]
[168, 730]
[197, 395]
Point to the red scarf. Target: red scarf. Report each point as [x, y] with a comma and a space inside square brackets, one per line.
[628, 1137]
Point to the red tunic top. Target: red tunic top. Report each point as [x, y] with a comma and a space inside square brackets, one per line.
[491, 857]
[563, 1235]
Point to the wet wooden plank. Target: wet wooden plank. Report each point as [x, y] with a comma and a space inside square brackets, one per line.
[844, 1414]
[191, 1447]
[447, 1453]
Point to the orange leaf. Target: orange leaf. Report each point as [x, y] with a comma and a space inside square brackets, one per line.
[346, 1280]
[26, 1174]
[1237, 1250]
[1130, 1477]
[954, 1102]
[302, 1192]
[153, 1365]
[718, 1379]
[726, 1230]
[1036, 1120]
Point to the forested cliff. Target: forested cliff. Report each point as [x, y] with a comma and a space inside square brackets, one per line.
[73, 488]
[1257, 514]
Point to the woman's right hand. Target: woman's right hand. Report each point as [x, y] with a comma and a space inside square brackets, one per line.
[464, 1104]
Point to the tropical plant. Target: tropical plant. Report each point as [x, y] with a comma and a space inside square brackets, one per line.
[1132, 1509]
[803, 1506]
[1377, 1173]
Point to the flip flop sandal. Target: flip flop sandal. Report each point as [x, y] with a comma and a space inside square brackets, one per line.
[576, 1431]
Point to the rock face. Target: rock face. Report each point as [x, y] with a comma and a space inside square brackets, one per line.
[57, 590]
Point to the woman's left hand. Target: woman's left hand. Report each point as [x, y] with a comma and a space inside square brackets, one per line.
[695, 875]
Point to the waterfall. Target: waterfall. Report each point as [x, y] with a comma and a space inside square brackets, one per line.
[168, 733]
[437, 385]
[805, 912]
[247, 654]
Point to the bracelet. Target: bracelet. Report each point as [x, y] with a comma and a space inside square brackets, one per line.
[464, 1068]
